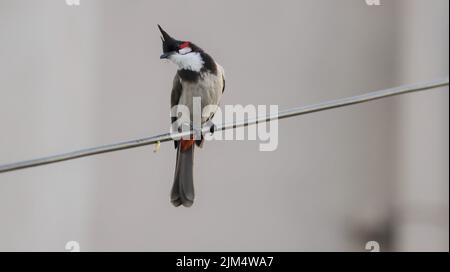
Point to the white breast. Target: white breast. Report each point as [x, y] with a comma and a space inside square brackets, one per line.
[209, 88]
[191, 61]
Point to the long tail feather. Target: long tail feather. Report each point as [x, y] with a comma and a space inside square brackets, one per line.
[183, 185]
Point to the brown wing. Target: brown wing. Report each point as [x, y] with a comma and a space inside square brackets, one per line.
[176, 93]
[175, 97]
[223, 88]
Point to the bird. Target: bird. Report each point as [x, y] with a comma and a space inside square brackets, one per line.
[198, 76]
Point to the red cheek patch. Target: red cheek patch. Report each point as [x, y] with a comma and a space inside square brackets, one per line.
[184, 45]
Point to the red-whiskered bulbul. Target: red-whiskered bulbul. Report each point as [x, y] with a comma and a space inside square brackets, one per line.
[198, 76]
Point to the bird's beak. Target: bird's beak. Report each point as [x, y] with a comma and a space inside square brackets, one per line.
[165, 55]
[168, 43]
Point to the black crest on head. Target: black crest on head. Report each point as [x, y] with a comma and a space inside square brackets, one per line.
[172, 45]
[169, 43]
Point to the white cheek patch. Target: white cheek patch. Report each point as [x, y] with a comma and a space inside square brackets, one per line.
[185, 50]
[189, 61]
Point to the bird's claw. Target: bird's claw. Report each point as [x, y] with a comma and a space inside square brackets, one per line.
[212, 128]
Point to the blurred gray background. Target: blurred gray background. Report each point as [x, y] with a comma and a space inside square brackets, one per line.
[75, 77]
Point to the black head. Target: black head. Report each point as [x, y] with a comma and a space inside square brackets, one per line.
[171, 45]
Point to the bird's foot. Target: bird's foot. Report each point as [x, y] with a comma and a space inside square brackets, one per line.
[212, 127]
